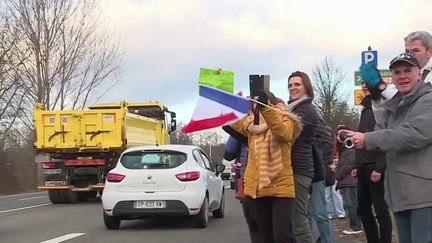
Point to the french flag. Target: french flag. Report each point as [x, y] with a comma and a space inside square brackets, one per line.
[216, 108]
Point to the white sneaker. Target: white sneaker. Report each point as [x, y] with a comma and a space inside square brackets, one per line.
[352, 232]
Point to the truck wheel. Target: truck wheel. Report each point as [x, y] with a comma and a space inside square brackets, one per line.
[92, 194]
[54, 196]
[220, 212]
[111, 222]
[63, 195]
[201, 219]
[82, 196]
[71, 197]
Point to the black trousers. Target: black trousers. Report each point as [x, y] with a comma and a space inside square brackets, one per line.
[274, 219]
[251, 219]
[372, 194]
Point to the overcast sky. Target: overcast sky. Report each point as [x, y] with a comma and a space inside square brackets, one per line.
[166, 42]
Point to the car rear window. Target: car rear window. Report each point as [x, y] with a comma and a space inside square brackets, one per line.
[160, 159]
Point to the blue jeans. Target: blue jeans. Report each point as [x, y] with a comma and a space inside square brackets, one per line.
[349, 195]
[414, 226]
[318, 211]
[334, 202]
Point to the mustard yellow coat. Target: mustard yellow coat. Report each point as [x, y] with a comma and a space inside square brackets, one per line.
[285, 129]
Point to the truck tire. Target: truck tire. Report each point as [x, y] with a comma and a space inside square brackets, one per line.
[63, 195]
[220, 212]
[111, 222]
[54, 196]
[71, 197]
[83, 196]
[201, 219]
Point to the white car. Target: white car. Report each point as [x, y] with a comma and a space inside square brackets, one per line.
[164, 180]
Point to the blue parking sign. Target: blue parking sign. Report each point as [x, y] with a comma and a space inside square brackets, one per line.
[370, 57]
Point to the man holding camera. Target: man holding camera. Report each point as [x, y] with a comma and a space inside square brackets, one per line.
[369, 170]
[404, 134]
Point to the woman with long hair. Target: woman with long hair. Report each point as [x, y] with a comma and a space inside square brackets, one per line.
[300, 103]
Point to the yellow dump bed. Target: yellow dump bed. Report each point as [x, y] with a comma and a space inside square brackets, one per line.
[101, 127]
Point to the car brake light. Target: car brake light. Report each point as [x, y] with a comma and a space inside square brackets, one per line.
[188, 176]
[49, 165]
[113, 177]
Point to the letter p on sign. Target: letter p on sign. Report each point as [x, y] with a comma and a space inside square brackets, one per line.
[370, 57]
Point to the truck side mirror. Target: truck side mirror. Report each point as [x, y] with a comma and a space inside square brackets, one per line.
[173, 121]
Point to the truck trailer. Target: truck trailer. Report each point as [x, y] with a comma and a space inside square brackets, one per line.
[77, 148]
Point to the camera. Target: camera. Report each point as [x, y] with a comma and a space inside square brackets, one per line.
[258, 83]
[347, 141]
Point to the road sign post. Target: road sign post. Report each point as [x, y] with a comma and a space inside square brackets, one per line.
[385, 75]
[358, 96]
[370, 56]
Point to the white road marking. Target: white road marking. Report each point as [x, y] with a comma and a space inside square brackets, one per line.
[23, 194]
[30, 198]
[227, 187]
[18, 209]
[63, 238]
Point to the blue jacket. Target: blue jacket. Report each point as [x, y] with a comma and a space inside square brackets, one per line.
[236, 150]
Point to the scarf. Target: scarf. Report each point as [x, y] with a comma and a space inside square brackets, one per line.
[293, 104]
[268, 152]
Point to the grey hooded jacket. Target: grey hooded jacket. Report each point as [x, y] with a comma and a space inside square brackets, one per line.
[404, 132]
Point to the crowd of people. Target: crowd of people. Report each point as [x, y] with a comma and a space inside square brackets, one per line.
[288, 184]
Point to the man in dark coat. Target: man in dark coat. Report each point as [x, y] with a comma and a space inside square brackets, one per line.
[369, 169]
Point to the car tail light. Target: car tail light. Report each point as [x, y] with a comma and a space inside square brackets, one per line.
[49, 165]
[188, 176]
[113, 177]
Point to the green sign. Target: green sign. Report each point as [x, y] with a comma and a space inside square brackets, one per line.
[220, 79]
[385, 74]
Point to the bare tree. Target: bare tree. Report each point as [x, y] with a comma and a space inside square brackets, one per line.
[178, 137]
[330, 97]
[12, 90]
[52, 52]
[215, 152]
[69, 60]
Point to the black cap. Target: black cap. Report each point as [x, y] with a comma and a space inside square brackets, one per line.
[405, 57]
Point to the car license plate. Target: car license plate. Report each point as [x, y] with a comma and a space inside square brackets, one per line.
[149, 204]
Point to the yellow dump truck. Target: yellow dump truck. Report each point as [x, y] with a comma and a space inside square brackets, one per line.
[77, 148]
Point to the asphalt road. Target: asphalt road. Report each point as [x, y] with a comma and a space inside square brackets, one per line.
[32, 218]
